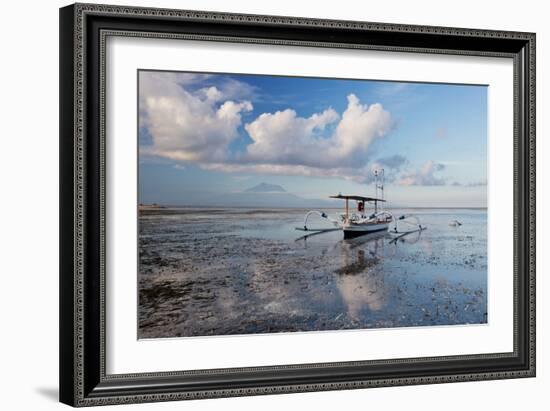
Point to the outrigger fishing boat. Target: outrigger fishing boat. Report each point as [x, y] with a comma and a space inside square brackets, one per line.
[359, 222]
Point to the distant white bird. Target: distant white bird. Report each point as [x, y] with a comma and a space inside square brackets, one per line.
[455, 223]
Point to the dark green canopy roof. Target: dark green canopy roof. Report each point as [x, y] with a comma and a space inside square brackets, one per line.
[358, 198]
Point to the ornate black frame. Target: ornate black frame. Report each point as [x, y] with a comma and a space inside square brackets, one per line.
[83, 30]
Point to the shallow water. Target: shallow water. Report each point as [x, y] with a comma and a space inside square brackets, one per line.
[240, 271]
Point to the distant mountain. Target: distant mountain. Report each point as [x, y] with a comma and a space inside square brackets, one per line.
[266, 188]
[263, 195]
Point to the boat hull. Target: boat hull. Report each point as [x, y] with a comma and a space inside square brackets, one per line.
[357, 230]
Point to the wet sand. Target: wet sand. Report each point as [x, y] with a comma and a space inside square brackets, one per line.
[237, 271]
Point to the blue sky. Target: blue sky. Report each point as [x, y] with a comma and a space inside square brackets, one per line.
[204, 135]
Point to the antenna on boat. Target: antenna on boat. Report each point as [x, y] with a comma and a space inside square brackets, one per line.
[378, 176]
[375, 191]
[375, 183]
[382, 185]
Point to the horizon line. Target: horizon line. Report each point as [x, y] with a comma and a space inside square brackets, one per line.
[161, 205]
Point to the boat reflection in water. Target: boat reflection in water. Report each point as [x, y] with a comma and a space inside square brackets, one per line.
[360, 282]
[361, 276]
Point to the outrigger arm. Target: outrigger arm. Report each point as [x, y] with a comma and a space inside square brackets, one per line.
[322, 215]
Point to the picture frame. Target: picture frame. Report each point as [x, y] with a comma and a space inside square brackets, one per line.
[84, 30]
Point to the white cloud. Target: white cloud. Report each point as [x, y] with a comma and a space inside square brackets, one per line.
[193, 118]
[425, 176]
[198, 127]
[360, 126]
[226, 88]
[390, 89]
[238, 90]
[185, 126]
[284, 138]
[286, 144]
[211, 94]
[193, 124]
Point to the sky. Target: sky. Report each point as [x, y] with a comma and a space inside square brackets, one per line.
[204, 135]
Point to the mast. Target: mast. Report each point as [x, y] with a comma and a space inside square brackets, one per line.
[378, 176]
[382, 185]
[376, 183]
[375, 191]
[347, 210]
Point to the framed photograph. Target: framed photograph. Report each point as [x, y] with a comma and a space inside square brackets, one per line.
[261, 204]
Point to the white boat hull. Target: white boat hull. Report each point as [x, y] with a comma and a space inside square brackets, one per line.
[356, 230]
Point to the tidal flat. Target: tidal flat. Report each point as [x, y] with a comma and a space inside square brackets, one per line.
[224, 271]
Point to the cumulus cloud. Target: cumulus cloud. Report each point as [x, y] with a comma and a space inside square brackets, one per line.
[192, 119]
[284, 138]
[424, 176]
[193, 124]
[185, 126]
[325, 144]
[211, 94]
[238, 90]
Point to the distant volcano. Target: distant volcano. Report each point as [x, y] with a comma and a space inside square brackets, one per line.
[262, 195]
[266, 188]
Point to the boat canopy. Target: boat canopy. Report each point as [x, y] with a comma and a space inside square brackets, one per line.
[358, 198]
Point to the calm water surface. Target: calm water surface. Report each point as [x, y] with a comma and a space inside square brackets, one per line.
[240, 271]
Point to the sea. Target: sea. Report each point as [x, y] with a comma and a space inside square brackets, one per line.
[209, 271]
